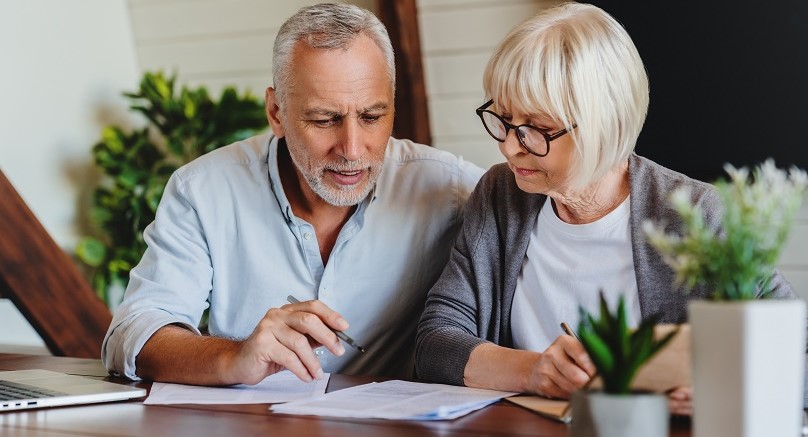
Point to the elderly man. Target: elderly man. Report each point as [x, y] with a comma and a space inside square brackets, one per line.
[330, 210]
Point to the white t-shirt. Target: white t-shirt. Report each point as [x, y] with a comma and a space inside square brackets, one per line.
[564, 267]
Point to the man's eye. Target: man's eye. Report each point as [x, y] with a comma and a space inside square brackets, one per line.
[371, 118]
[324, 123]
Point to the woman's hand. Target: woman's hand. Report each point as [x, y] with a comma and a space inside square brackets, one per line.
[563, 368]
[680, 401]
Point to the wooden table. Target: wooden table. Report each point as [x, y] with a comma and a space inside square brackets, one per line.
[132, 418]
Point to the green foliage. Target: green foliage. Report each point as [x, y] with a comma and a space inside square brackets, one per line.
[136, 165]
[739, 261]
[618, 352]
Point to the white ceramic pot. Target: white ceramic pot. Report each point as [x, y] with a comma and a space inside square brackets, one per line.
[597, 414]
[748, 367]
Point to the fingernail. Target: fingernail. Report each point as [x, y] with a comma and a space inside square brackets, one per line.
[342, 322]
[319, 374]
[340, 349]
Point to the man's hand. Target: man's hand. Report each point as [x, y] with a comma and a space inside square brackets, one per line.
[563, 368]
[285, 339]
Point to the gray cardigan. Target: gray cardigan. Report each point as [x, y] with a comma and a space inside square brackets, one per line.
[471, 302]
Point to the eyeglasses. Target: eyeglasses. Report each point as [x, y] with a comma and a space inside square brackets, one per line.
[535, 140]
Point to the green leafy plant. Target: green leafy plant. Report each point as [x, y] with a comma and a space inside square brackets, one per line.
[617, 351]
[737, 262]
[183, 125]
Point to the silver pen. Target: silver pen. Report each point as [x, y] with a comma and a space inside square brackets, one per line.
[341, 335]
[567, 330]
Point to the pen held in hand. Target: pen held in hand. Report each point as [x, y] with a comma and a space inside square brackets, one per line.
[341, 335]
[567, 330]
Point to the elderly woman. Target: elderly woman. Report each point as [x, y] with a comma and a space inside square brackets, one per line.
[562, 218]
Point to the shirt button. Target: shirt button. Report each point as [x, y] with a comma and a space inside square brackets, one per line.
[319, 352]
[307, 236]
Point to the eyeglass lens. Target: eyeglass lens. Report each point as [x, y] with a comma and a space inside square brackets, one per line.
[530, 138]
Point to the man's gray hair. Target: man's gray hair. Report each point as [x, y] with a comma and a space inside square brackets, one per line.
[326, 26]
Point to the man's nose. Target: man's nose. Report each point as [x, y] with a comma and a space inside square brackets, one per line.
[351, 141]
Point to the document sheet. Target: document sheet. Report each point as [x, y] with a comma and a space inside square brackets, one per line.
[280, 387]
[399, 400]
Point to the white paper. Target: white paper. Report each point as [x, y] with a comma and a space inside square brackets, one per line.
[399, 400]
[279, 387]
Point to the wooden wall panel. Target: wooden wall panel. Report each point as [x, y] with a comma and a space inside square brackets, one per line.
[216, 57]
[458, 37]
[45, 285]
[412, 112]
[201, 19]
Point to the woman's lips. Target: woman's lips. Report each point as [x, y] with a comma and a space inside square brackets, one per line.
[522, 171]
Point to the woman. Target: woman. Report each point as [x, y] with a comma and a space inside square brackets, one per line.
[562, 218]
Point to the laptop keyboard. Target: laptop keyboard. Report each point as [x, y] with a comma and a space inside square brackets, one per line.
[10, 391]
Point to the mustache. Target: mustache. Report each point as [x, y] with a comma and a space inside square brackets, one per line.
[350, 166]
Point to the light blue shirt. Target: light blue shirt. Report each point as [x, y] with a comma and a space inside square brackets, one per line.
[225, 236]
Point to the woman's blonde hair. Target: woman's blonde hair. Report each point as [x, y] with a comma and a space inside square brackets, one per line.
[575, 64]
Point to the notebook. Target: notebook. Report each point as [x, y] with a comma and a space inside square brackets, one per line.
[24, 389]
[668, 369]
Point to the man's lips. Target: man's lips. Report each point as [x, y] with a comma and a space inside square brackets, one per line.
[347, 177]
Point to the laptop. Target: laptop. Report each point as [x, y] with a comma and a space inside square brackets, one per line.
[25, 389]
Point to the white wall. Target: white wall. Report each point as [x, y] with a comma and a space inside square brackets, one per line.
[64, 65]
[457, 38]
[215, 43]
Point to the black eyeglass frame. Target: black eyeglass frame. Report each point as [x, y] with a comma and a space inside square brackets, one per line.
[548, 137]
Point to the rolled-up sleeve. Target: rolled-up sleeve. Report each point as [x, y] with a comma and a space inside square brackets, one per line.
[170, 285]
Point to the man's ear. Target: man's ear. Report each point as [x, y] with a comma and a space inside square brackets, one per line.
[273, 112]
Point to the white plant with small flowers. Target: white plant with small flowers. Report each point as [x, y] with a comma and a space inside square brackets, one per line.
[738, 261]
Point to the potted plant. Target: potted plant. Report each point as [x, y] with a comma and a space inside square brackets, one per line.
[748, 351]
[183, 124]
[618, 353]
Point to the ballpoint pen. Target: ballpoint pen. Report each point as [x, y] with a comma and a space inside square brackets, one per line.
[566, 413]
[341, 335]
[567, 330]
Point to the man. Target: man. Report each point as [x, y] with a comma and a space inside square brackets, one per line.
[330, 210]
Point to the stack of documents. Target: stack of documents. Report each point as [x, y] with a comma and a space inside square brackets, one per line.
[280, 387]
[399, 400]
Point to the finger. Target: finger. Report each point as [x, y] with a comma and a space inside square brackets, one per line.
[577, 353]
[311, 325]
[282, 357]
[567, 369]
[550, 389]
[326, 314]
[680, 408]
[680, 393]
[300, 355]
[566, 383]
